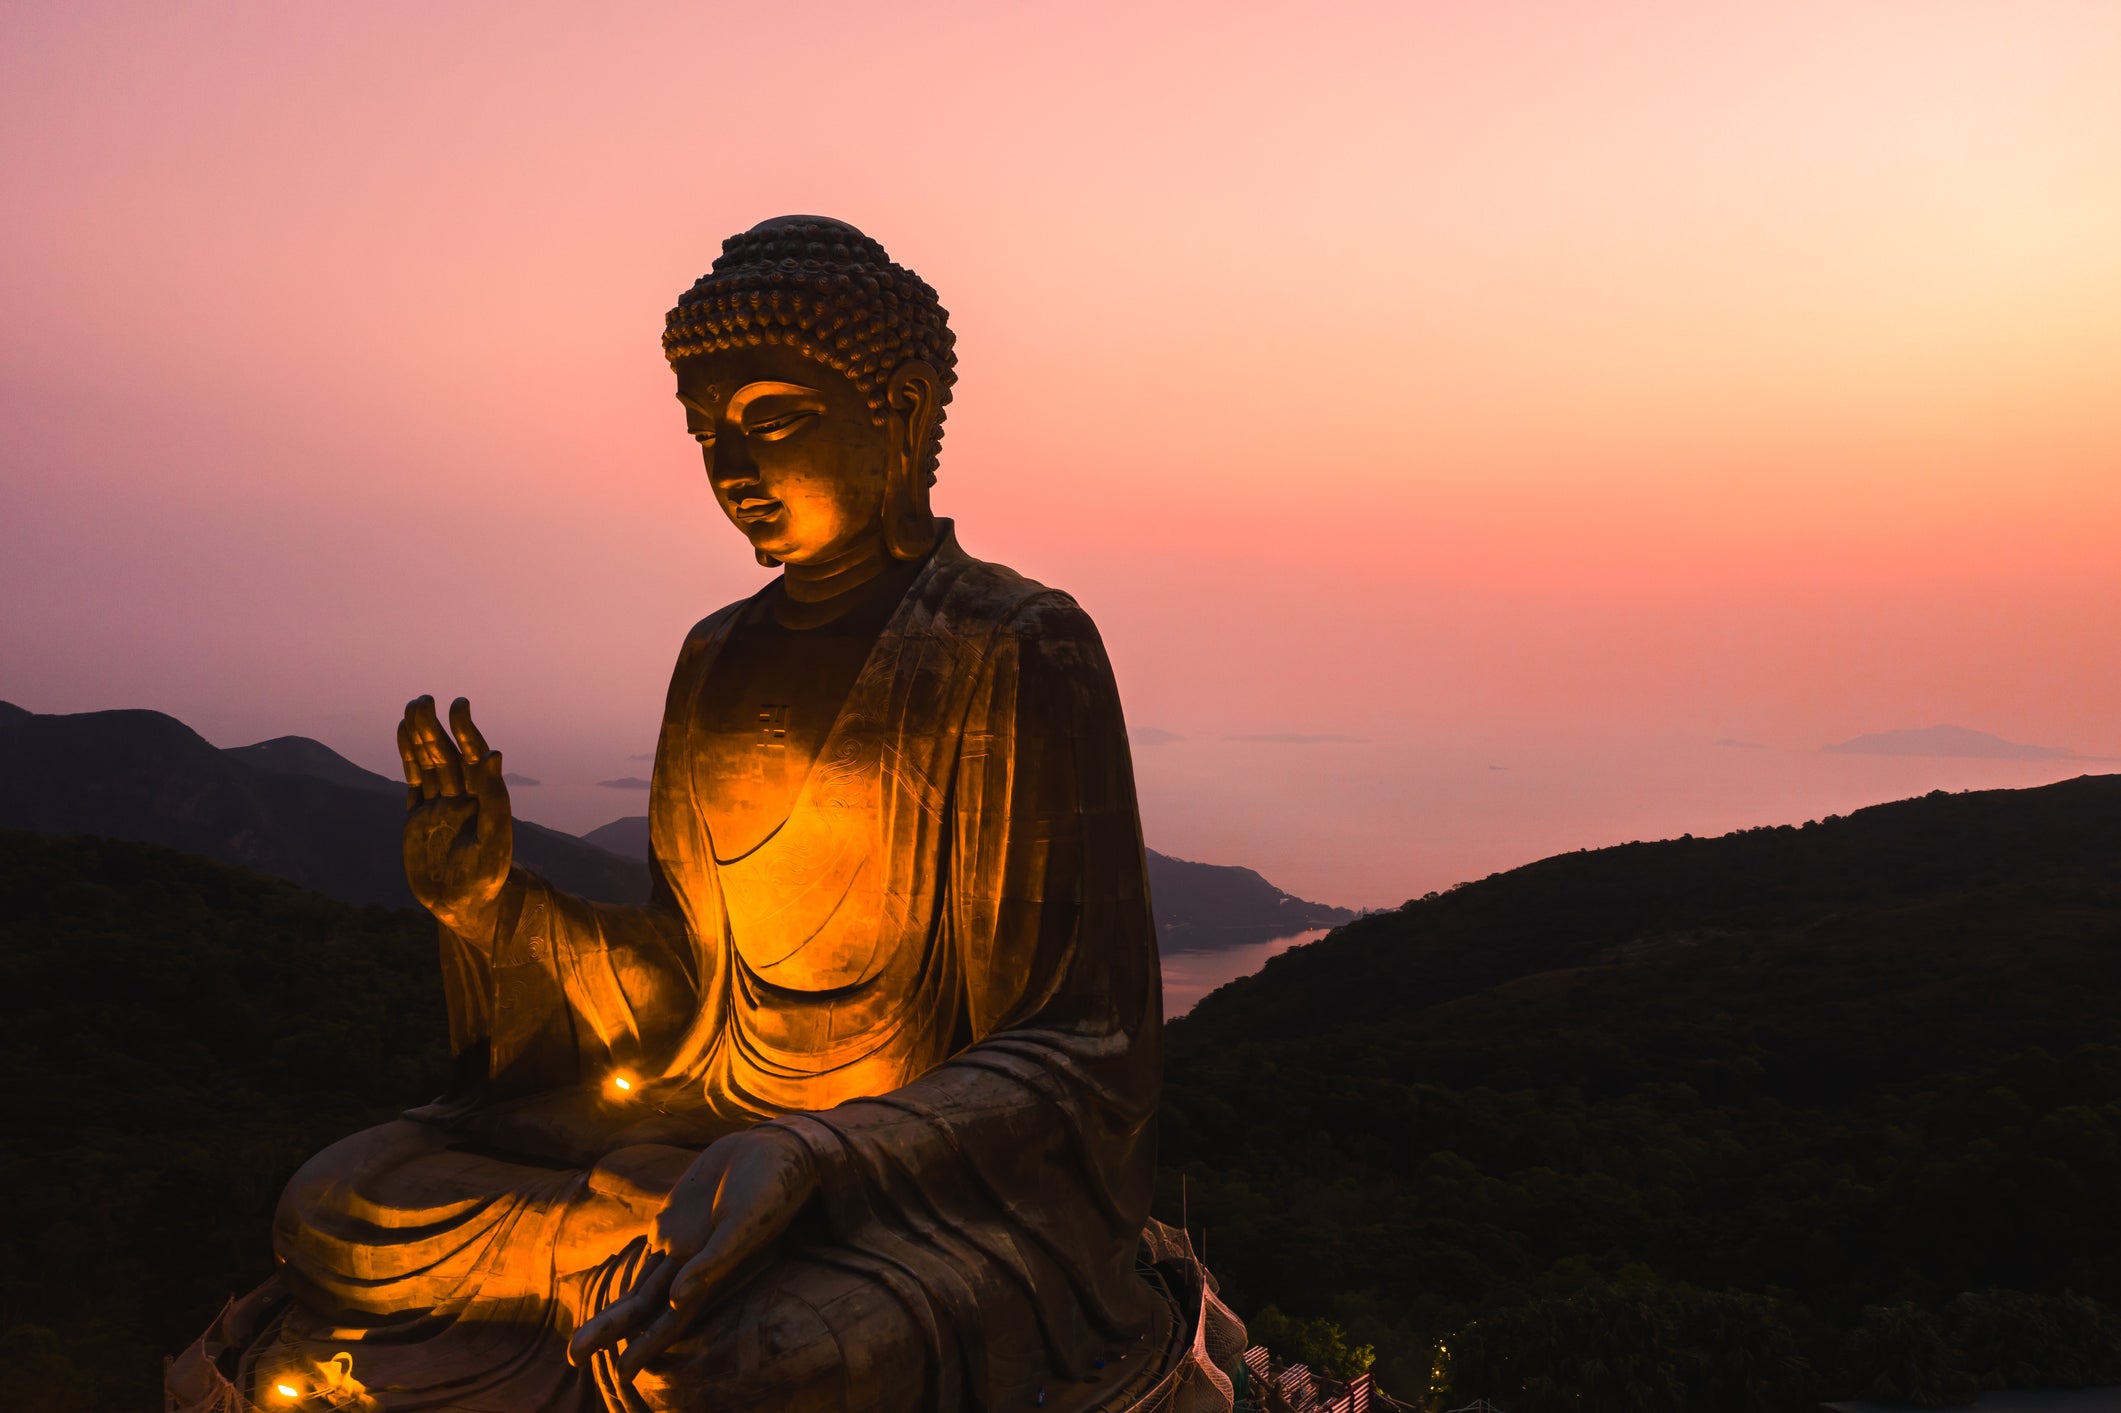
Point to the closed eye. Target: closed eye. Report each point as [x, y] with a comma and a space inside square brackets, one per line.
[775, 428]
[704, 438]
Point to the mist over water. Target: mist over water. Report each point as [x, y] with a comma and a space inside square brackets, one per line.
[1188, 976]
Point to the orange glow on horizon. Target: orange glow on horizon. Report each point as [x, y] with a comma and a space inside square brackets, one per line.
[1558, 388]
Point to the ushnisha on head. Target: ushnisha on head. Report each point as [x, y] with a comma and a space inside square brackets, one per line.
[814, 372]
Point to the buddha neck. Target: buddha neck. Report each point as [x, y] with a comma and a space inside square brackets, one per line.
[827, 579]
[812, 595]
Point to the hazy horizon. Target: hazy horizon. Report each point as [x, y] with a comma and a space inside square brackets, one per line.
[1561, 807]
[1406, 393]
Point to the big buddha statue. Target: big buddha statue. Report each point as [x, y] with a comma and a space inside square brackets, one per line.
[858, 1111]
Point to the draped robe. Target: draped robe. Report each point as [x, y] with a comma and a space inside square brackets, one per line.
[939, 973]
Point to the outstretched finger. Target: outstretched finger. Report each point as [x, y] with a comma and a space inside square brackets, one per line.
[470, 740]
[406, 758]
[483, 775]
[627, 1315]
[437, 753]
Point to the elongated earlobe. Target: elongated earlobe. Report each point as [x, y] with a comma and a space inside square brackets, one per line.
[914, 397]
[909, 525]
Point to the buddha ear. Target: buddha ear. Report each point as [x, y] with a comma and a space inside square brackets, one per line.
[913, 397]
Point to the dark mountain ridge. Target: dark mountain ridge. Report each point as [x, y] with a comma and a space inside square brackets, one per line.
[299, 755]
[627, 837]
[290, 807]
[1203, 906]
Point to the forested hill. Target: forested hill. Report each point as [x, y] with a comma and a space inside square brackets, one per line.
[1727, 1123]
[1721, 898]
[1848, 1070]
[176, 1037]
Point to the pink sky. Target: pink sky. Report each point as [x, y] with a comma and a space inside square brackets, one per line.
[1561, 387]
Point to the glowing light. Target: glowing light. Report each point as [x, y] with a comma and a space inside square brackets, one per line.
[622, 1083]
[336, 1374]
[287, 1390]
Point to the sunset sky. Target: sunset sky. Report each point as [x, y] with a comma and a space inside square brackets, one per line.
[1459, 418]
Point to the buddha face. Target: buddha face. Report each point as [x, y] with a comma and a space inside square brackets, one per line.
[797, 461]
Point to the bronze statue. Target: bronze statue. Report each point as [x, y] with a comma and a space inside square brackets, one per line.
[858, 1111]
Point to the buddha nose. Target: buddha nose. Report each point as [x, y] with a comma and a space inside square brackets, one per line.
[733, 465]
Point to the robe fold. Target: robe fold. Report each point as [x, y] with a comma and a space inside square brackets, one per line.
[939, 973]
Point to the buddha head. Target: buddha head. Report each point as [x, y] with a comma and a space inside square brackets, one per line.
[814, 372]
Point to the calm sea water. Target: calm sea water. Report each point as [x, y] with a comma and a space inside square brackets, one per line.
[1188, 976]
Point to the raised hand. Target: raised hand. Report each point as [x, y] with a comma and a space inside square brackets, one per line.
[459, 834]
[732, 1204]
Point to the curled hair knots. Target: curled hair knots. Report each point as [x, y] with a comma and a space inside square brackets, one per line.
[825, 289]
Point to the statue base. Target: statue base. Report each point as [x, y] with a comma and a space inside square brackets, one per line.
[1187, 1365]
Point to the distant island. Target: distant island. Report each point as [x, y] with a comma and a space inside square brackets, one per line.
[1950, 741]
